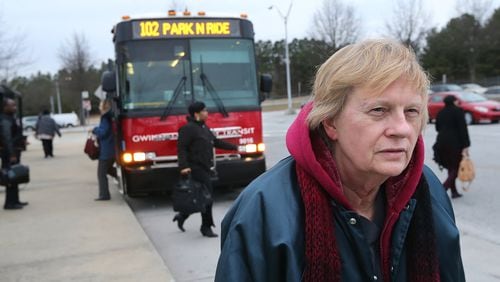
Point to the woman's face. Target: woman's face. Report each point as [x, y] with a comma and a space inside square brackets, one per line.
[375, 135]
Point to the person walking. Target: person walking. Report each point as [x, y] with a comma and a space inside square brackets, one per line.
[106, 139]
[10, 137]
[45, 130]
[354, 201]
[195, 152]
[452, 141]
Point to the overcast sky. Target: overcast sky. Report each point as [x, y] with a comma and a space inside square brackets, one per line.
[48, 25]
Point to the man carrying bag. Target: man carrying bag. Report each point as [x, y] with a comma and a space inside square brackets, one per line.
[10, 137]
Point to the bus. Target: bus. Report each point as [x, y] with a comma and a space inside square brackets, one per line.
[162, 64]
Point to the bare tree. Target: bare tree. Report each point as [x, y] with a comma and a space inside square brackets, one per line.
[480, 9]
[75, 54]
[12, 54]
[336, 23]
[409, 23]
[76, 62]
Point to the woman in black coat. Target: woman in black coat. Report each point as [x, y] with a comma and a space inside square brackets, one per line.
[195, 151]
[452, 141]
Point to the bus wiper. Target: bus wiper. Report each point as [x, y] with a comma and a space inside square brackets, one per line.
[211, 90]
[177, 91]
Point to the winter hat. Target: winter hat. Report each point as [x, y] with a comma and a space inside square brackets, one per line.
[449, 100]
[196, 107]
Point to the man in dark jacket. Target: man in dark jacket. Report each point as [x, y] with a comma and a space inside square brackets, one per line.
[451, 142]
[11, 137]
[195, 151]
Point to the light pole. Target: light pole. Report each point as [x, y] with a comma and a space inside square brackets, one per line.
[58, 94]
[287, 58]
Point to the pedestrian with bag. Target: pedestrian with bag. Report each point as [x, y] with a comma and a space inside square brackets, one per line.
[195, 152]
[11, 137]
[452, 141]
[106, 140]
[45, 130]
[354, 201]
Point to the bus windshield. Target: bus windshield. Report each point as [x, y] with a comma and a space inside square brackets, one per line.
[215, 71]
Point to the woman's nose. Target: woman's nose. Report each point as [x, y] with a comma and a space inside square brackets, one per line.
[399, 125]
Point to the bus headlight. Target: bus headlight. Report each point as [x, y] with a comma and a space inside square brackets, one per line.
[137, 157]
[252, 148]
[127, 157]
[261, 147]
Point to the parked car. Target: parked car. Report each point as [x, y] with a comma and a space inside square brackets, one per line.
[66, 119]
[493, 90]
[445, 87]
[29, 122]
[473, 87]
[476, 107]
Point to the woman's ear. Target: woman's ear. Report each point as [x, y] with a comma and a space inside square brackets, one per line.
[330, 129]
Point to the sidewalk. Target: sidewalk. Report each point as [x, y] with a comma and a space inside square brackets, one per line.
[63, 234]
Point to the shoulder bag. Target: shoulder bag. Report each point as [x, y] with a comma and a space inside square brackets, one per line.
[92, 147]
[466, 172]
[16, 174]
[190, 196]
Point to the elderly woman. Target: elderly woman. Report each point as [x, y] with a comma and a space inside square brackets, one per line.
[354, 201]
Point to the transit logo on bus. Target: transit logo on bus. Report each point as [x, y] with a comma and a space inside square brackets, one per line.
[220, 132]
[185, 28]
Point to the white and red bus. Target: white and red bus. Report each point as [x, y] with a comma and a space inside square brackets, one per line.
[162, 64]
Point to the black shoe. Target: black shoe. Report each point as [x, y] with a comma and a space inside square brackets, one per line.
[457, 195]
[207, 232]
[102, 199]
[22, 203]
[13, 207]
[180, 221]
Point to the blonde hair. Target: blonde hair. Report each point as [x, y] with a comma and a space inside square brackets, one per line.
[374, 63]
[105, 105]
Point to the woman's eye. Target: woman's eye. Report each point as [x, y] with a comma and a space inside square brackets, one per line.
[413, 112]
[378, 110]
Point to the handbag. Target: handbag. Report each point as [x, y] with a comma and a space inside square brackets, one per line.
[16, 174]
[190, 196]
[466, 172]
[92, 147]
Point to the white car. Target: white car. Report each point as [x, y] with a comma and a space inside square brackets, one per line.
[473, 87]
[66, 119]
[29, 122]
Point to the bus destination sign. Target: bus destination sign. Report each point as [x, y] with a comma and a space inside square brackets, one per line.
[167, 28]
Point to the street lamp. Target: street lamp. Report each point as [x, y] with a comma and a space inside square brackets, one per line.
[58, 94]
[287, 58]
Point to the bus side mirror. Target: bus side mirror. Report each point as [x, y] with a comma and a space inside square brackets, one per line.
[266, 85]
[108, 81]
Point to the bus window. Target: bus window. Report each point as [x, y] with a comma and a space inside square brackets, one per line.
[153, 70]
[228, 67]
